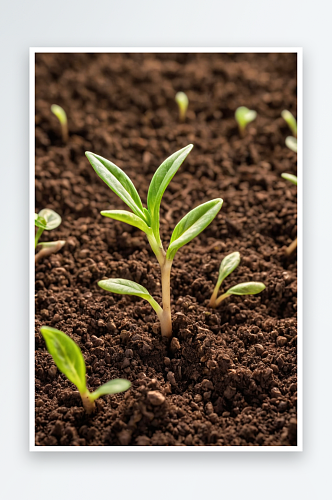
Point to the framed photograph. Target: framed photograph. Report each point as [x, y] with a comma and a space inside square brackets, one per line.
[166, 250]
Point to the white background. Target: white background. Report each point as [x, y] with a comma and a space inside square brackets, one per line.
[173, 23]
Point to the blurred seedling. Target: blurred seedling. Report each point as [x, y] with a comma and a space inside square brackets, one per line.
[147, 220]
[227, 266]
[47, 220]
[62, 117]
[69, 359]
[182, 102]
[291, 143]
[290, 120]
[293, 179]
[244, 116]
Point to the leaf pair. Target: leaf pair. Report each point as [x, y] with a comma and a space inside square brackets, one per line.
[47, 219]
[227, 266]
[244, 116]
[146, 219]
[69, 360]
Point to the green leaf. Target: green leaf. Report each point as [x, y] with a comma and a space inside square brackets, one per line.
[291, 143]
[227, 266]
[67, 356]
[118, 182]
[127, 287]
[162, 177]
[290, 120]
[250, 288]
[59, 113]
[47, 219]
[124, 287]
[193, 224]
[244, 116]
[112, 387]
[290, 177]
[128, 218]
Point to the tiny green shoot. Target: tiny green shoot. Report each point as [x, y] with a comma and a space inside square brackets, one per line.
[62, 117]
[290, 120]
[227, 266]
[147, 220]
[69, 359]
[182, 102]
[47, 220]
[243, 116]
[293, 179]
[291, 143]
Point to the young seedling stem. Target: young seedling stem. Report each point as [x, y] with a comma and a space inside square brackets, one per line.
[227, 266]
[69, 360]
[147, 219]
[182, 102]
[244, 116]
[47, 220]
[62, 117]
[290, 120]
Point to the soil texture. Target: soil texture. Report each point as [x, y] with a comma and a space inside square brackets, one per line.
[229, 375]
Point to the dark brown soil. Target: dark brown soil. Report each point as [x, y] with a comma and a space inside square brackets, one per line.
[229, 376]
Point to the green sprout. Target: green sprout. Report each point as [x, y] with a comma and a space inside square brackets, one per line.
[62, 117]
[291, 143]
[227, 266]
[243, 116]
[147, 220]
[182, 101]
[290, 120]
[47, 220]
[293, 179]
[69, 360]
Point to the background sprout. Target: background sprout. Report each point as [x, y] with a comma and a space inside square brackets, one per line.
[62, 117]
[47, 220]
[291, 143]
[227, 266]
[147, 219]
[290, 177]
[290, 120]
[182, 102]
[243, 116]
[293, 179]
[69, 360]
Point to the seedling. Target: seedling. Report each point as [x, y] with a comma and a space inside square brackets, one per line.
[182, 101]
[293, 179]
[147, 219]
[69, 359]
[243, 116]
[62, 117]
[290, 120]
[227, 266]
[291, 143]
[47, 220]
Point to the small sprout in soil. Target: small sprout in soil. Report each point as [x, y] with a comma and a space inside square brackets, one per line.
[182, 101]
[243, 116]
[69, 360]
[62, 117]
[147, 219]
[293, 179]
[290, 120]
[291, 143]
[47, 220]
[227, 266]
[290, 177]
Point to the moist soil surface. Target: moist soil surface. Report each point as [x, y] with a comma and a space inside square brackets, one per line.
[229, 375]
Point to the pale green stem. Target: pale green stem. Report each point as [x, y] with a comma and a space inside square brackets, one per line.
[221, 298]
[156, 307]
[88, 402]
[214, 296]
[166, 319]
[156, 248]
[38, 235]
[64, 130]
